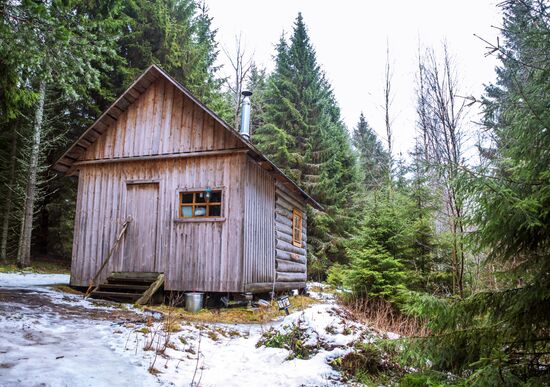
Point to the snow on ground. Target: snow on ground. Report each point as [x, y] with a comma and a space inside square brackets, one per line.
[23, 279]
[56, 339]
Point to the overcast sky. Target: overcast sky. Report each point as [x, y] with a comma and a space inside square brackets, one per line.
[350, 40]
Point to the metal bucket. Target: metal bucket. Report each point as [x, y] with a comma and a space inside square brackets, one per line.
[193, 302]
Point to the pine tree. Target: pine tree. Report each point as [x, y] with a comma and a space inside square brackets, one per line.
[257, 83]
[302, 132]
[373, 158]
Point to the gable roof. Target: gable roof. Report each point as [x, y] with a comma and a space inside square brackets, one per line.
[65, 163]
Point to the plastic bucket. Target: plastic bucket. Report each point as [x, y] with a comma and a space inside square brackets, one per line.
[193, 302]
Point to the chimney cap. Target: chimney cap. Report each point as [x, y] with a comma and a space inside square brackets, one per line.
[246, 93]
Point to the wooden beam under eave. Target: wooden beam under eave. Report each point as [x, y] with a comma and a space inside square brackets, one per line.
[265, 165]
[162, 157]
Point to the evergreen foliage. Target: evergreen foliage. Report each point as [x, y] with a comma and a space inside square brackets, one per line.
[302, 132]
[373, 158]
[397, 243]
[177, 35]
[500, 335]
[127, 37]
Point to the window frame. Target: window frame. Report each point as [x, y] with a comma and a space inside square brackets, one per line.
[194, 191]
[300, 215]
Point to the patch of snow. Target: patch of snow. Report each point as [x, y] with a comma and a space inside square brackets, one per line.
[45, 350]
[320, 295]
[392, 335]
[23, 279]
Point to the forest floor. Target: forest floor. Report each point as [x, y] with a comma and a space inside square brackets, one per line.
[52, 337]
[40, 264]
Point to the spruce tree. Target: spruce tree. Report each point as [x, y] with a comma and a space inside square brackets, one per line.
[373, 158]
[62, 52]
[257, 83]
[303, 133]
[177, 35]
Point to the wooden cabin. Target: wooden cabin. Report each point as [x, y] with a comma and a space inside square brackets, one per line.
[203, 205]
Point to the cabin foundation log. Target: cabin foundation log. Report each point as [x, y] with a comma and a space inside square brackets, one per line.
[265, 287]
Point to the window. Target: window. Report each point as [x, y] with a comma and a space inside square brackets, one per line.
[201, 204]
[297, 228]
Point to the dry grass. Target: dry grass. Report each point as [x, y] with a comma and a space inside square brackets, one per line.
[67, 289]
[235, 315]
[40, 266]
[384, 317]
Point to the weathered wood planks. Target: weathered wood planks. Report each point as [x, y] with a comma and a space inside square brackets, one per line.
[259, 227]
[202, 256]
[157, 123]
[158, 134]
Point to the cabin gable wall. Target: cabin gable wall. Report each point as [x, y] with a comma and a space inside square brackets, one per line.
[162, 121]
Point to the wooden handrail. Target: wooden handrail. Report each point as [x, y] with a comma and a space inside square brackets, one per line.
[106, 260]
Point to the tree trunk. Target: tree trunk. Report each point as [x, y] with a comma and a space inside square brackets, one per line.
[24, 253]
[9, 198]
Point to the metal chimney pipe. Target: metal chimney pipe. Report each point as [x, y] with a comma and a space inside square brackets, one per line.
[245, 114]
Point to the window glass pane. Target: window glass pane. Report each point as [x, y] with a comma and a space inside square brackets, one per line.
[187, 211]
[216, 197]
[194, 204]
[187, 198]
[200, 197]
[215, 210]
[200, 211]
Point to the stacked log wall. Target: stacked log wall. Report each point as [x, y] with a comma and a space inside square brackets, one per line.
[290, 260]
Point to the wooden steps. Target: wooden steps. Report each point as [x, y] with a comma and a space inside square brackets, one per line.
[129, 287]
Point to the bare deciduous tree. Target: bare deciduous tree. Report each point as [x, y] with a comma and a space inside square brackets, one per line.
[241, 63]
[440, 120]
[388, 100]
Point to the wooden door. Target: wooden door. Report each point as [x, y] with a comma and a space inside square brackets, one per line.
[140, 247]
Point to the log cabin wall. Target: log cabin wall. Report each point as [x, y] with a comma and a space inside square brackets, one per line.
[195, 255]
[291, 261]
[259, 229]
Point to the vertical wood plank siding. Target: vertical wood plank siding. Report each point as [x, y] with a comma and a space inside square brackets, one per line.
[161, 121]
[202, 256]
[291, 261]
[259, 227]
[248, 249]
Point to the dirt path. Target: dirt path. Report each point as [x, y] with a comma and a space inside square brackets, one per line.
[38, 301]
